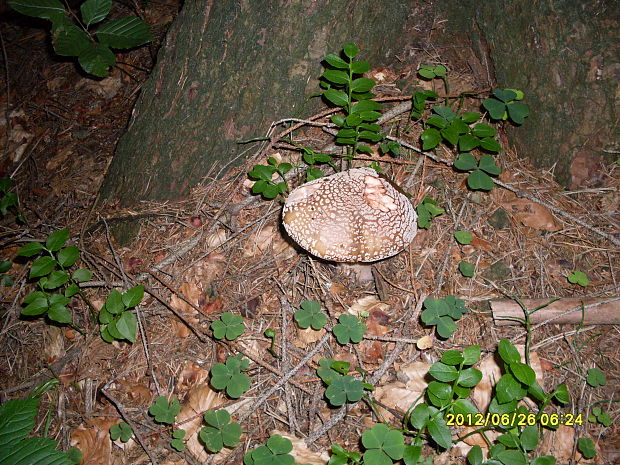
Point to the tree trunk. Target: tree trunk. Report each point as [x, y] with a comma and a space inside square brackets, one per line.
[564, 55]
[228, 69]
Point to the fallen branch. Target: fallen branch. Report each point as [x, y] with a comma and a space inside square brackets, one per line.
[564, 311]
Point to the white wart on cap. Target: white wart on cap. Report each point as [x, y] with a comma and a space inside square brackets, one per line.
[351, 216]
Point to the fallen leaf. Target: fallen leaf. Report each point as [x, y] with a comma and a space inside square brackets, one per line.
[364, 306]
[94, 441]
[532, 214]
[307, 336]
[425, 342]
[216, 239]
[62, 155]
[54, 346]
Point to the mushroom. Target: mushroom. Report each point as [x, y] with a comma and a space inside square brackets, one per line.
[351, 216]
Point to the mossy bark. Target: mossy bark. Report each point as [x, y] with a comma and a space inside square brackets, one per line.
[564, 55]
[227, 70]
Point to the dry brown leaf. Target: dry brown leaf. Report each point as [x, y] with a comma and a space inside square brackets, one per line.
[192, 293]
[560, 444]
[301, 452]
[191, 375]
[259, 243]
[62, 155]
[532, 214]
[94, 441]
[216, 239]
[425, 342]
[307, 336]
[397, 396]
[106, 88]
[366, 304]
[54, 347]
[413, 375]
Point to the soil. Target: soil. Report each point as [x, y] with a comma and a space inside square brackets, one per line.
[222, 250]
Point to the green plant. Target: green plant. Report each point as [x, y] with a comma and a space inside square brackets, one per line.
[432, 71]
[586, 447]
[220, 432]
[271, 334]
[578, 277]
[229, 326]
[383, 445]
[265, 184]
[352, 94]
[56, 285]
[329, 369]
[349, 329]
[481, 170]
[92, 48]
[341, 456]
[275, 452]
[5, 279]
[177, 442]
[418, 102]
[598, 416]
[344, 389]
[116, 318]
[596, 377]
[466, 269]
[505, 103]
[9, 200]
[121, 431]
[427, 210]
[228, 376]
[442, 313]
[463, 237]
[310, 315]
[17, 420]
[165, 411]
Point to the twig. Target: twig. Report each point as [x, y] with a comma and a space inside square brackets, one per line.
[262, 399]
[128, 420]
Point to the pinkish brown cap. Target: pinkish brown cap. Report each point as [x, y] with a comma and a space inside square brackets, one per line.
[351, 216]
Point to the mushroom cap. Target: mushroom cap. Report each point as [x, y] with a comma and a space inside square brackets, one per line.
[351, 216]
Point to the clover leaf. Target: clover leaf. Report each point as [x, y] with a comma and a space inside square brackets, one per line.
[220, 432]
[164, 411]
[344, 389]
[383, 446]
[229, 377]
[578, 277]
[275, 452]
[310, 315]
[121, 431]
[349, 329]
[596, 377]
[229, 326]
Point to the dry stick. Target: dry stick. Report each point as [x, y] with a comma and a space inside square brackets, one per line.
[121, 410]
[285, 311]
[262, 399]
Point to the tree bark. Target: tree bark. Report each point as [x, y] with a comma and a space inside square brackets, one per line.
[228, 69]
[564, 55]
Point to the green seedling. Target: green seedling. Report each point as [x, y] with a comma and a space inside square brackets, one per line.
[390, 147]
[466, 269]
[383, 445]
[165, 411]
[271, 334]
[356, 123]
[92, 48]
[463, 237]
[442, 313]
[329, 369]
[9, 200]
[598, 416]
[578, 277]
[5, 279]
[586, 447]
[121, 431]
[228, 327]
[221, 432]
[265, 184]
[275, 452]
[349, 329]
[481, 170]
[177, 442]
[596, 377]
[17, 420]
[116, 318]
[432, 71]
[56, 284]
[341, 456]
[427, 210]
[228, 376]
[343, 389]
[419, 101]
[310, 315]
[505, 104]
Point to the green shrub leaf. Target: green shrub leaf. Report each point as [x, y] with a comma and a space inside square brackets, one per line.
[124, 33]
[133, 296]
[42, 266]
[46, 9]
[68, 256]
[96, 59]
[337, 97]
[94, 11]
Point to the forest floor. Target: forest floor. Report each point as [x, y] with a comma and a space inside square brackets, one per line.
[223, 250]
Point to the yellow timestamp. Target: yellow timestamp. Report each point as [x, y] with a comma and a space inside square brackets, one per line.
[513, 419]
